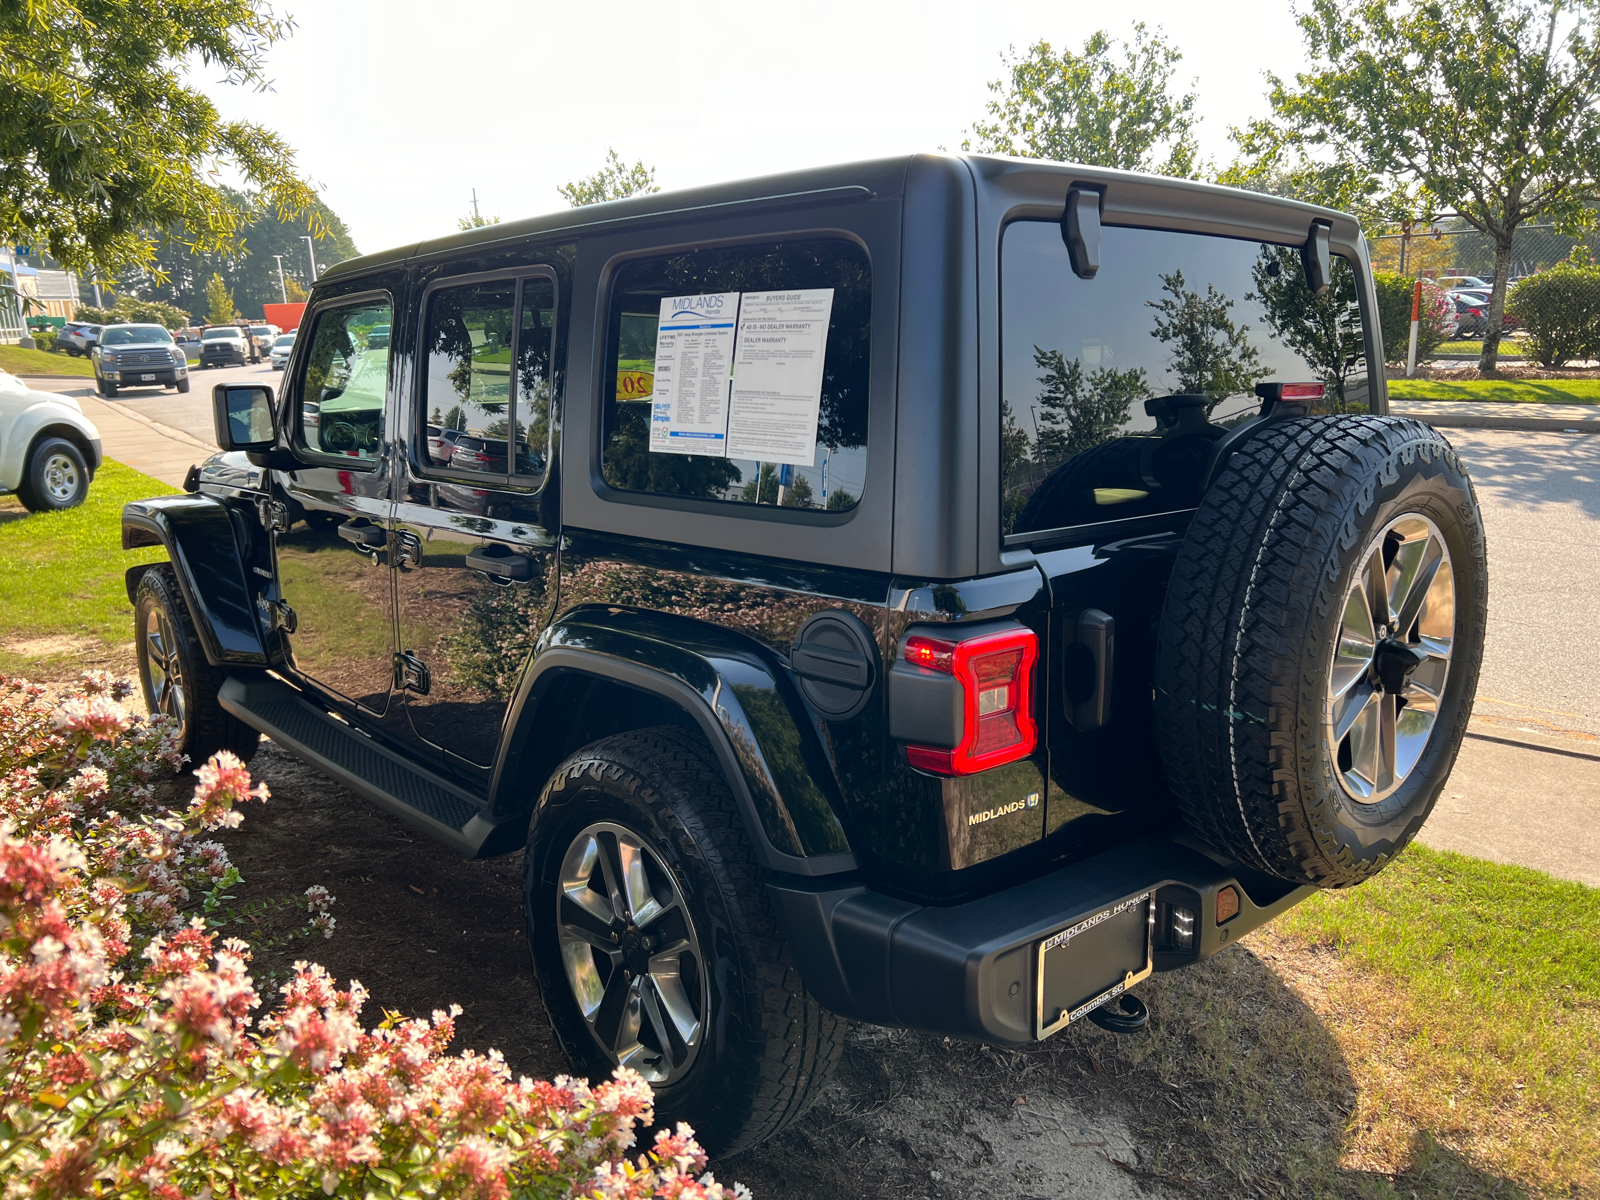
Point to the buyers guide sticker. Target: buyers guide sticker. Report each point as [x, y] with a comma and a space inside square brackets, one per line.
[694, 361]
[777, 375]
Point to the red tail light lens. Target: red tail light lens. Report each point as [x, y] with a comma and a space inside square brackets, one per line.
[996, 675]
[1301, 391]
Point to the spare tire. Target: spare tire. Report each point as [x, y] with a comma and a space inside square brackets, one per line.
[1320, 643]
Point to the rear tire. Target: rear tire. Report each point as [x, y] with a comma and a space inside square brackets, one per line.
[1320, 644]
[177, 679]
[760, 1049]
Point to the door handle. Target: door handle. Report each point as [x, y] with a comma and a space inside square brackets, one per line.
[500, 561]
[362, 532]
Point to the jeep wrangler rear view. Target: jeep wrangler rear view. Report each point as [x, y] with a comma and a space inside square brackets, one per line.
[936, 592]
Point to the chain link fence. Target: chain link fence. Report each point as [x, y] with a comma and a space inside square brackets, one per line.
[1552, 316]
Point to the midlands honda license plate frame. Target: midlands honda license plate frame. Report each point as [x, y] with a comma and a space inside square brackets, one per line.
[1093, 960]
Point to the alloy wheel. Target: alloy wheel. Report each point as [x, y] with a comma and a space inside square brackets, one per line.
[165, 670]
[1391, 658]
[61, 478]
[631, 953]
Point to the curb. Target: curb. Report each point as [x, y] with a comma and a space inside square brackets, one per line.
[1533, 424]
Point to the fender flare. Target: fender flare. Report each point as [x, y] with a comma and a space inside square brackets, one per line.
[698, 683]
[198, 535]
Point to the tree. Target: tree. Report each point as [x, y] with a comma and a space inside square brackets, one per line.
[1078, 410]
[219, 302]
[102, 140]
[1210, 353]
[131, 310]
[797, 494]
[611, 182]
[1090, 108]
[295, 293]
[178, 273]
[474, 221]
[1488, 109]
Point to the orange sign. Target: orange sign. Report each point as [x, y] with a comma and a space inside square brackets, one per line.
[635, 385]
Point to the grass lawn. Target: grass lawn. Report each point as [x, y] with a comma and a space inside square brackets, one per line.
[1518, 391]
[17, 361]
[63, 606]
[1465, 997]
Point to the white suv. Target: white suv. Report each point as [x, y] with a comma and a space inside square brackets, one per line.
[49, 451]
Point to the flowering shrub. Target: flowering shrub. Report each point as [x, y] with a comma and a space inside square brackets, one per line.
[132, 1059]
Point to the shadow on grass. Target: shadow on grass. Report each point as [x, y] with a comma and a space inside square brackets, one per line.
[1236, 1089]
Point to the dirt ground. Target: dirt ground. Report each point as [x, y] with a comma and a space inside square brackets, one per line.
[1236, 1089]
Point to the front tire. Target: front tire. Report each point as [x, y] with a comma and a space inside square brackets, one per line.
[178, 681]
[655, 945]
[1320, 645]
[56, 478]
[182, 385]
[108, 390]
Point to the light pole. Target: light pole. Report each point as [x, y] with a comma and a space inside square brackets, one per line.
[312, 254]
[282, 287]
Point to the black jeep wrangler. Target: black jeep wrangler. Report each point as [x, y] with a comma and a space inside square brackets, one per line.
[937, 592]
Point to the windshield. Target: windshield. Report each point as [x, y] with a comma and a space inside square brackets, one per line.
[221, 331]
[286, 340]
[134, 335]
[260, 330]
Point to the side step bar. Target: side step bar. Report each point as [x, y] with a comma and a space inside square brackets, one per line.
[421, 799]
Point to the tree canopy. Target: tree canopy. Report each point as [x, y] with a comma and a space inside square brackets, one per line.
[103, 143]
[613, 181]
[1095, 107]
[1487, 109]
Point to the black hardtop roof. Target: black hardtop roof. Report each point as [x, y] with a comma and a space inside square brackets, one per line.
[1021, 177]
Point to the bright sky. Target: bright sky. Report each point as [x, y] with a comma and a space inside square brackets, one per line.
[399, 109]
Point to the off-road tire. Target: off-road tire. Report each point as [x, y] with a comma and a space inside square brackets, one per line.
[769, 1049]
[204, 726]
[35, 490]
[1247, 638]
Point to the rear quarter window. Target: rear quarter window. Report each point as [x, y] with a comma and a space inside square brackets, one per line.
[781, 416]
[1114, 390]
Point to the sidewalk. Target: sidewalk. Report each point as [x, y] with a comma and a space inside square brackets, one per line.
[1493, 414]
[132, 438]
[1522, 797]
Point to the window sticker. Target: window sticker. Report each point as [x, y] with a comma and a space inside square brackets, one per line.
[777, 375]
[694, 361]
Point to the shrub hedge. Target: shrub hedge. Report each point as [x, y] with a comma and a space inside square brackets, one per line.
[1394, 315]
[1560, 313]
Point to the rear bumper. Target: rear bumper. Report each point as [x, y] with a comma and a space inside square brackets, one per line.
[969, 970]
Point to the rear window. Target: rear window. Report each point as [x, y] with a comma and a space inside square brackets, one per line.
[740, 374]
[1115, 389]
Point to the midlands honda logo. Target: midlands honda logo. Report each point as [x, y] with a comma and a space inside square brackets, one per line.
[1005, 810]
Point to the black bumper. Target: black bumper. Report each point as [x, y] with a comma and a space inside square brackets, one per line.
[224, 358]
[969, 970]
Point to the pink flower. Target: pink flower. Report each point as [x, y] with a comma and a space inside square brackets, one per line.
[100, 717]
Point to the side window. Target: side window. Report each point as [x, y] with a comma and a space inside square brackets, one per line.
[741, 374]
[345, 381]
[1115, 389]
[486, 377]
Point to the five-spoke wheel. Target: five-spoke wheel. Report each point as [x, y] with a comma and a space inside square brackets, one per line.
[164, 667]
[631, 952]
[1391, 658]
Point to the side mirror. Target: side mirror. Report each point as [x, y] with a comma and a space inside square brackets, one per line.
[243, 416]
[1315, 254]
[1080, 229]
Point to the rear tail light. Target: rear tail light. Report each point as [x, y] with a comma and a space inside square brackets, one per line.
[1301, 391]
[995, 671]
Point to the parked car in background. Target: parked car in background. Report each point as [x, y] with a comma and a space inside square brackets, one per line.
[49, 451]
[1472, 312]
[378, 338]
[138, 356]
[261, 339]
[1456, 282]
[279, 354]
[188, 340]
[441, 444]
[77, 338]
[224, 346]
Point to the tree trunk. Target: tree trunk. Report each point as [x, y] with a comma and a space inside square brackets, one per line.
[1489, 359]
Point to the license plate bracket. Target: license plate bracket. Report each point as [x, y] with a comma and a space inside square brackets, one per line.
[1091, 961]
[147, 379]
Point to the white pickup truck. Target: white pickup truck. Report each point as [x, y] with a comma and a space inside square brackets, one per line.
[49, 451]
